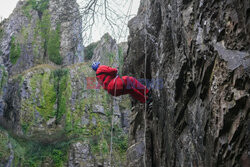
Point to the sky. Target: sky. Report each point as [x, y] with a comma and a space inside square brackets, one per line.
[7, 6]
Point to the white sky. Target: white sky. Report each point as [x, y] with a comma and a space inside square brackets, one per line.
[7, 6]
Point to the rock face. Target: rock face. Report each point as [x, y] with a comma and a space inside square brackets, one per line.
[51, 111]
[200, 112]
[108, 52]
[39, 32]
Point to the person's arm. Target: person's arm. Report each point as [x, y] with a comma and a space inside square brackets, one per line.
[107, 70]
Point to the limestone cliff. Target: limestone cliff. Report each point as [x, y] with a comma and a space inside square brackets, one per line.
[39, 32]
[200, 115]
[51, 113]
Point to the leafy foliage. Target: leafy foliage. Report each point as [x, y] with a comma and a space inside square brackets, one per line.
[57, 156]
[39, 5]
[15, 51]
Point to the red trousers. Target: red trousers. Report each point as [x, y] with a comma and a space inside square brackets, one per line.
[129, 85]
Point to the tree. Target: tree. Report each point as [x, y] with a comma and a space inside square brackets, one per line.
[112, 15]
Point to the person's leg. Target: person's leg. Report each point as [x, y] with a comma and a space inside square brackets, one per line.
[116, 87]
[138, 86]
[137, 95]
[131, 85]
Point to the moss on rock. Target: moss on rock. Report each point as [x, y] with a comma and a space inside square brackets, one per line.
[54, 98]
[39, 5]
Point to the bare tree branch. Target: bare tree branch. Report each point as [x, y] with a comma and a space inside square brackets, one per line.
[109, 13]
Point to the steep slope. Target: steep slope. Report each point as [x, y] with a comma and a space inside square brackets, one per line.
[200, 115]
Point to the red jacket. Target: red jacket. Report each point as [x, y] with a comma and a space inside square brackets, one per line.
[105, 74]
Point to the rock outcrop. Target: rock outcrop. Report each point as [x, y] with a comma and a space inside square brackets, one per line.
[38, 32]
[108, 52]
[200, 112]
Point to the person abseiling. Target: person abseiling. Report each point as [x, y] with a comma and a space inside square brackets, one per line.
[115, 85]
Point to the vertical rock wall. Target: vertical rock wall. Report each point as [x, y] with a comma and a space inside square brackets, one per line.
[200, 50]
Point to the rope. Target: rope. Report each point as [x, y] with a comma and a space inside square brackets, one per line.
[111, 133]
[145, 89]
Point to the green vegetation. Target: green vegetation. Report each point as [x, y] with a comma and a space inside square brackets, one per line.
[1, 33]
[51, 99]
[26, 10]
[89, 51]
[38, 5]
[4, 149]
[107, 37]
[54, 46]
[3, 80]
[50, 92]
[24, 34]
[47, 95]
[111, 57]
[44, 29]
[60, 86]
[15, 51]
[35, 154]
[51, 39]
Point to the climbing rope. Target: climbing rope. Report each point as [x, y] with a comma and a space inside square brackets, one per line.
[112, 124]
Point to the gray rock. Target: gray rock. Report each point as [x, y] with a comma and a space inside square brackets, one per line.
[234, 58]
[203, 106]
[98, 109]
